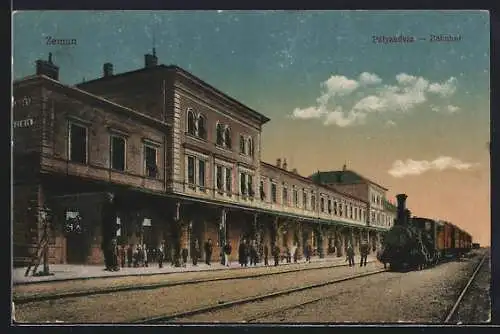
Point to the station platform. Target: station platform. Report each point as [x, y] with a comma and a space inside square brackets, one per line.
[66, 272]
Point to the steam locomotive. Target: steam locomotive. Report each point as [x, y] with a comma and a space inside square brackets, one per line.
[417, 242]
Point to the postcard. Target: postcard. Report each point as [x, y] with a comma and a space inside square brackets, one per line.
[270, 167]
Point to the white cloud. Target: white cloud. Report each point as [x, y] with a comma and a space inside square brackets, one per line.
[452, 109]
[435, 108]
[308, 113]
[390, 123]
[369, 78]
[409, 92]
[416, 167]
[445, 89]
[339, 118]
[336, 85]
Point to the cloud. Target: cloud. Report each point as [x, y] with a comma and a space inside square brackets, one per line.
[409, 92]
[445, 89]
[307, 113]
[369, 78]
[390, 123]
[452, 109]
[435, 108]
[417, 167]
[342, 119]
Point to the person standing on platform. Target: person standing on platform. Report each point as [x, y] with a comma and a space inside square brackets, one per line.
[350, 254]
[114, 255]
[145, 255]
[122, 256]
[227, 252]
[266, 255]
[196, 252]
[307, 253]
[108, 216]
[276, 254]
[161, 254]
[242, 253]
[208, 251]
[364, 249]
[130, 255]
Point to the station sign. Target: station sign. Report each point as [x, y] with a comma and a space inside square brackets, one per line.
[22, 102]
[24, 123]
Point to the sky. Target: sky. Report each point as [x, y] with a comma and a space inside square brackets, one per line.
[338, 86]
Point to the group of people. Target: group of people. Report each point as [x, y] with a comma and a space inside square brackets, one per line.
[364, 250]
[249, 253]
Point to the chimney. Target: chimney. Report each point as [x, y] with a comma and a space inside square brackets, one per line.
[107, 70]
[278, 163]
[48, 68]
[285, 165]
[295, 171]
[401, 217]
[150, 60]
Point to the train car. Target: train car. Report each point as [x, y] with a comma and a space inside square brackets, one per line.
[440, 237]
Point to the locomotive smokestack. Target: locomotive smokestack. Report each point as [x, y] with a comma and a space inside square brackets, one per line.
[401, 209]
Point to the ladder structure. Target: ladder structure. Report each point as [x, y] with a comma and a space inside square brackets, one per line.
[42, 248]
[39, 255]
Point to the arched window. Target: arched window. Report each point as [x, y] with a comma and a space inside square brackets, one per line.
[242, 144]
[191, 128]
[250, 147]
[220, 134]
[227, 137]
[202, 130]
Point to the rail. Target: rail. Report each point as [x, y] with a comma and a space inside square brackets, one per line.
[205, 309]
[73, 294]
[464, 290]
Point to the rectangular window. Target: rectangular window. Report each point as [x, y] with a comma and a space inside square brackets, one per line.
[242, 145]
[150, 161]
[191, 171]
[322, 204]
[295, 197]
[250, 185]
[78, 143]
[262, 191]
[341, 209]
[118, 153]
[243, 188]
[329, 206]
[313, 202]
[335, 209]
[304, 199]
[274, 193]
[201, 173]
[285, 195]
[219, 178]
[229, 180]
[350, 211]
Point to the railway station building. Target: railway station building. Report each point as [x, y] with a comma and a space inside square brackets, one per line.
[183, 161]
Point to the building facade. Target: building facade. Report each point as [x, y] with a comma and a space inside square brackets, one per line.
[183, 160]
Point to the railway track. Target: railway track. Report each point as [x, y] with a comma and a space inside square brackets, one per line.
[464, 291]
[20, 300]
[228, 304]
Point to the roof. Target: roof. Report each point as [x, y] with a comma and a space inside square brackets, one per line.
[129, 111]
[308, 180]
[192, 77]
[341, 177]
